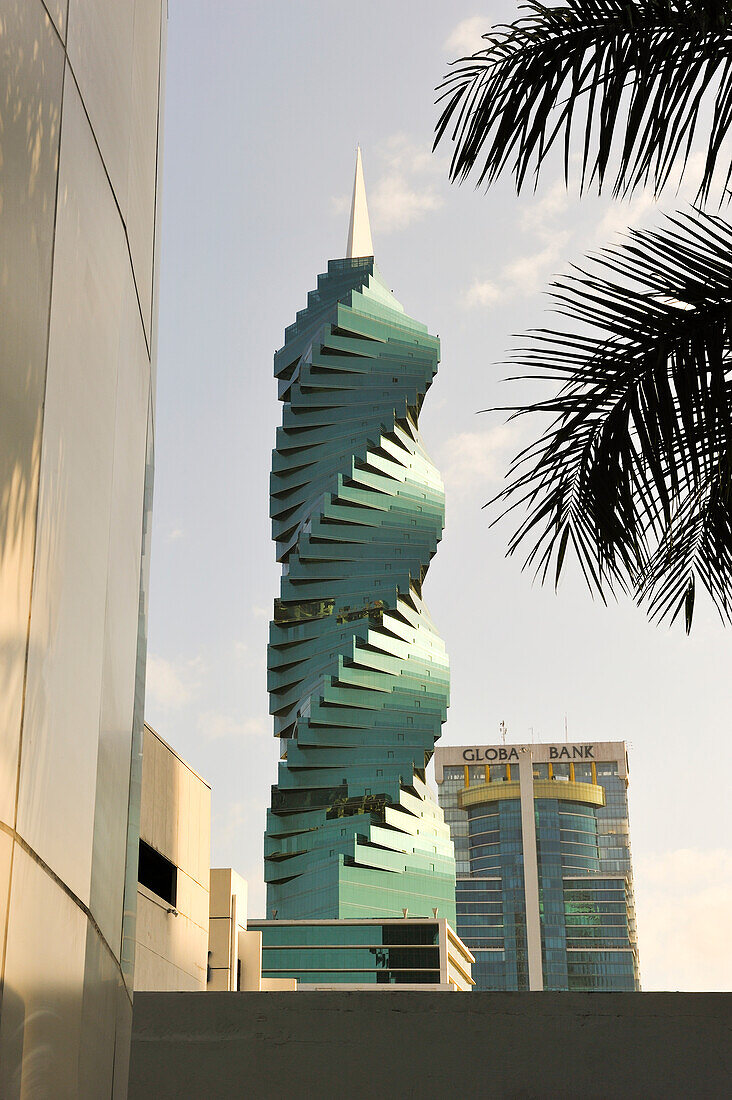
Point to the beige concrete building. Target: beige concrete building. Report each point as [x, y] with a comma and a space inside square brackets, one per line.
[191, 918]
[235, 952]
[173, 887]
[227, 930]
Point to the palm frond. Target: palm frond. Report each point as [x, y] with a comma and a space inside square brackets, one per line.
[626, 77]
[635, 471]
[698, 543]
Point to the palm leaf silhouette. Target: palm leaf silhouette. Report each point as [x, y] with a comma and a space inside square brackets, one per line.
[627, 77]
[635, 470]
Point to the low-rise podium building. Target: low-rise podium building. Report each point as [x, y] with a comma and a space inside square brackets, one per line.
[411, 953]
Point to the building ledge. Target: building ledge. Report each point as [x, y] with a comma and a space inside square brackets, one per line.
[590, 793]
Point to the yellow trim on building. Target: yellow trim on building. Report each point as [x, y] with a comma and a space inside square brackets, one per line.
[487, 792]
[463, 950]
[589, 793]
[467, 776]
[454, 961]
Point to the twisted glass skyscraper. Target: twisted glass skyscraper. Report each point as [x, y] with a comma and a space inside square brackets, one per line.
[358, 675]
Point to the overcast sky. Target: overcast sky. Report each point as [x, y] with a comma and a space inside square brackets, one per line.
[265, 103]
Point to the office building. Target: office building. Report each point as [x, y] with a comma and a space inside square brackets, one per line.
[365, 954]
[358, 675]
[544, 877]
[80, 105]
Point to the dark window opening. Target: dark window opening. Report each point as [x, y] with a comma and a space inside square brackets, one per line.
[157, 873]
[400, 935]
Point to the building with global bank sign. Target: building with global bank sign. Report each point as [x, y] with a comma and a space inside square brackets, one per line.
[544, 876]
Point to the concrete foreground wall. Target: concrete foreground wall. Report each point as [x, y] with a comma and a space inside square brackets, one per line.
[389, 1044]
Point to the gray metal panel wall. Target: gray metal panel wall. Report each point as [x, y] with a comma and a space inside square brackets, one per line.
[79, 164]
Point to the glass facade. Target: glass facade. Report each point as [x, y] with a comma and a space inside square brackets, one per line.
[396, 953]
[584, 875]
[358, 675]
[78, 219]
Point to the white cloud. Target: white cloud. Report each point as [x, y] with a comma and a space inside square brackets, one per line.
[523, 276]
[465, 38]
[260, 612]
[477, 459]
[175, 534]
[694, 170]
[482, 292]
[396, 202]
[539, 216]
[684, 900]
[171, 685]
[402, 155]
[622, 216]
[215, 725]
[687, 177]
[643, 206]
[541, 220]
[405, 190]
[547, 221]
[527, 274]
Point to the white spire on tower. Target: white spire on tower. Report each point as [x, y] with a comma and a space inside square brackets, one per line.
[359, 231]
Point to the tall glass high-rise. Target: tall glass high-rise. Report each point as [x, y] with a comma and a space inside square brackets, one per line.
[358, 675]
[544, 874]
